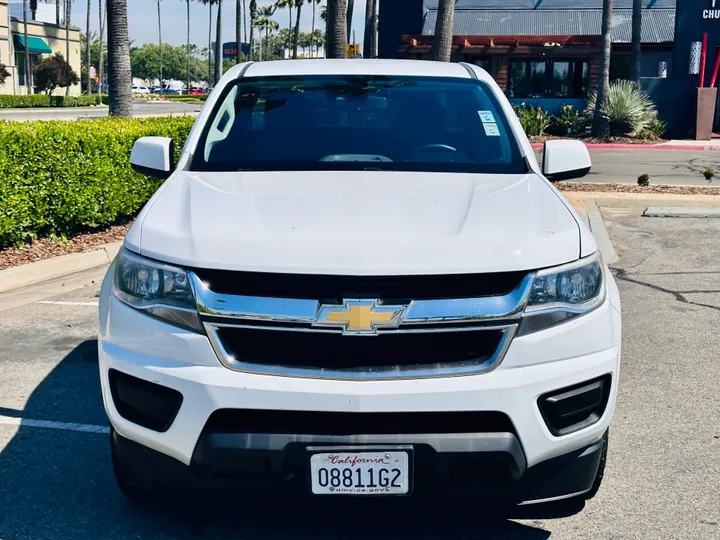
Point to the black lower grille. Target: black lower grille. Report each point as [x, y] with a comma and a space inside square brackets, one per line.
[144, 403]
[341, 423]
[338, 352]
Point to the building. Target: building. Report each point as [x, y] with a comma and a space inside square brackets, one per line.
[548, 51]
[44, 37]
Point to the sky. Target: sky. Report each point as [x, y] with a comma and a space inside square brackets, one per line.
[143, 23]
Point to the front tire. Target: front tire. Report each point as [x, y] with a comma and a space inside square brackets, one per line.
[128, 472]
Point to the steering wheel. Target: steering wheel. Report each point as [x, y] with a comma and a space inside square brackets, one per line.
[441, 147]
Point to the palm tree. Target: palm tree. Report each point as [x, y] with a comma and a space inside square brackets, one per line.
[159, 41]
[102, 14]
[350, 9]
[604, 85]
[187, 47]
[264, 22]
[209, 4]
[33, 9]
[28, 85]
[337, 39]
[368, 41]
[317, 39]
[636, 39]
[296, 39]
[253, 18]
[120, 74]
[444, 27]
[88, 82]
[57, 12]
[68, 12]
[289, 4]
[312, 31]
[239, 12]
[218, 44]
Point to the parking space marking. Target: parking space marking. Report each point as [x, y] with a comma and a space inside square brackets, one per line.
[60, 303]
[48, 424]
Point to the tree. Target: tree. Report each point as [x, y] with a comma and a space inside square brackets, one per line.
[253, 18]
[296, 39]
[4, 73]
[187, 49]
[312, 30]
[369, 39]
[350, 9]
[33, 9]
[636, 40]
[88, 81]
[289, 5]
[145, 61]
[53, 72]
[264, 22]
[68, 13]
[57, 12]
[28, 84]
[209, 4]
[160, 43]
[239, 13]
[102, 17]
[444, 29]
[604, 83]
[119, 72]
[337, 39]
[218, 44]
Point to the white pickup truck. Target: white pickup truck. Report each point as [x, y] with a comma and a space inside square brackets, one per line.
[357, 280]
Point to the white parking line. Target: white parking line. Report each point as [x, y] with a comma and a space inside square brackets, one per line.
[48, 424]
[59, 303]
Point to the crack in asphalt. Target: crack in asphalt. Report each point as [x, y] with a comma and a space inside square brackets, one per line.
[622, 274]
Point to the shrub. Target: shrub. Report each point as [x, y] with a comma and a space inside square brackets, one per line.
[57, 178]
[188, 98]
[43, 100]
[626, 109]
[53, 72]
[709, 174]
[654, 131]
[570, 121]
[644, 180]
[533, 120]
[4, 73]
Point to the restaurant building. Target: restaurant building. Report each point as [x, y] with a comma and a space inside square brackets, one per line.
[547, 52]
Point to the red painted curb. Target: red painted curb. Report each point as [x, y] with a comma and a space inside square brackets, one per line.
[611, 146]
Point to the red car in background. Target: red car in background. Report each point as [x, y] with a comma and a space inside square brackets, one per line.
[197, 92]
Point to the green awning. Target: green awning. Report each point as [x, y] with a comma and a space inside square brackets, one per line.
[36, 45]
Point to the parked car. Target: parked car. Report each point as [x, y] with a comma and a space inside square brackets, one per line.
[172, 91]
[140, 89]
[155, 89]
[397, 304]
[197, 92]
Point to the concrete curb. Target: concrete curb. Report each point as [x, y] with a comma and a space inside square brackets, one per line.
[681, 212]
[597, 226]
[687, 147]
[37, 272]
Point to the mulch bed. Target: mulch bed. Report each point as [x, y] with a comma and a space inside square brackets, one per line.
[45, 248]
[600, 140]
[632, 188]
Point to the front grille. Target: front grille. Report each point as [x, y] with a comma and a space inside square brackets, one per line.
[336, 352]
[343, 424]
[334, 289]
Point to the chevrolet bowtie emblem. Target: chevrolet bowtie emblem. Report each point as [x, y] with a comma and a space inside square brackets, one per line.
[360, 316]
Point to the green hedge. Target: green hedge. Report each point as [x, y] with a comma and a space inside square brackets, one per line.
[42, 100]
[186, 98]
[57, 178]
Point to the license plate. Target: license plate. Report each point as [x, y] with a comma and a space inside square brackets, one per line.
[360, 473]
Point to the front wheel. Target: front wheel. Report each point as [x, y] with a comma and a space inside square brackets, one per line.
[128, 472]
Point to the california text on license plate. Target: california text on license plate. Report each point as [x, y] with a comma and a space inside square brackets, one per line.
[360, 473]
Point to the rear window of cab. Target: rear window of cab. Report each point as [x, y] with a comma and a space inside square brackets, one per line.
[358, 123]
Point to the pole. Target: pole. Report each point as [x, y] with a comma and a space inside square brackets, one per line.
[703, 58]
[715, 71]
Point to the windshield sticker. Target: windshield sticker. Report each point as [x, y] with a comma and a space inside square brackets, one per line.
[486, 117]
[491, 130]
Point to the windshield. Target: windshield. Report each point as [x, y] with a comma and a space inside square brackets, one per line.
[358, 123]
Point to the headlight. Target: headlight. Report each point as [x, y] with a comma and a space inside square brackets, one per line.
[561, 293]
[158, 289]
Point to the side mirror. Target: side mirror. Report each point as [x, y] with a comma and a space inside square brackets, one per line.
[565, 160]
[153, 156]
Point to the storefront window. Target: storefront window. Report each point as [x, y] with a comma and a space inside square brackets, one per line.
[548, 79]
[484, 63]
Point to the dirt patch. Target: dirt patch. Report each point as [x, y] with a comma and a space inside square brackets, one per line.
[45, 248]
[631, 188]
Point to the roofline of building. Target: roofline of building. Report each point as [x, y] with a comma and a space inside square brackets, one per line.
[41, 23]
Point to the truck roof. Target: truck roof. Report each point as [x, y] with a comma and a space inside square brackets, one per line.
[416, 68]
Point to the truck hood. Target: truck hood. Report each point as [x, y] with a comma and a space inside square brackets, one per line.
[357, 223]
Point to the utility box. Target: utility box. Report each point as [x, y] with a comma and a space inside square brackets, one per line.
[706, 98]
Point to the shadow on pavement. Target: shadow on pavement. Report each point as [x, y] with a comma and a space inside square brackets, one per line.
[58, 484]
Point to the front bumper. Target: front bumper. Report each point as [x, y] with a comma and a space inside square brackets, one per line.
[581, 350]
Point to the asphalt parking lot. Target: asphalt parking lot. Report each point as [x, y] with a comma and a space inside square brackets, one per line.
[663, 476]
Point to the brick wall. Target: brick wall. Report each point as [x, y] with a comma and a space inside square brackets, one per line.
[500, 69]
